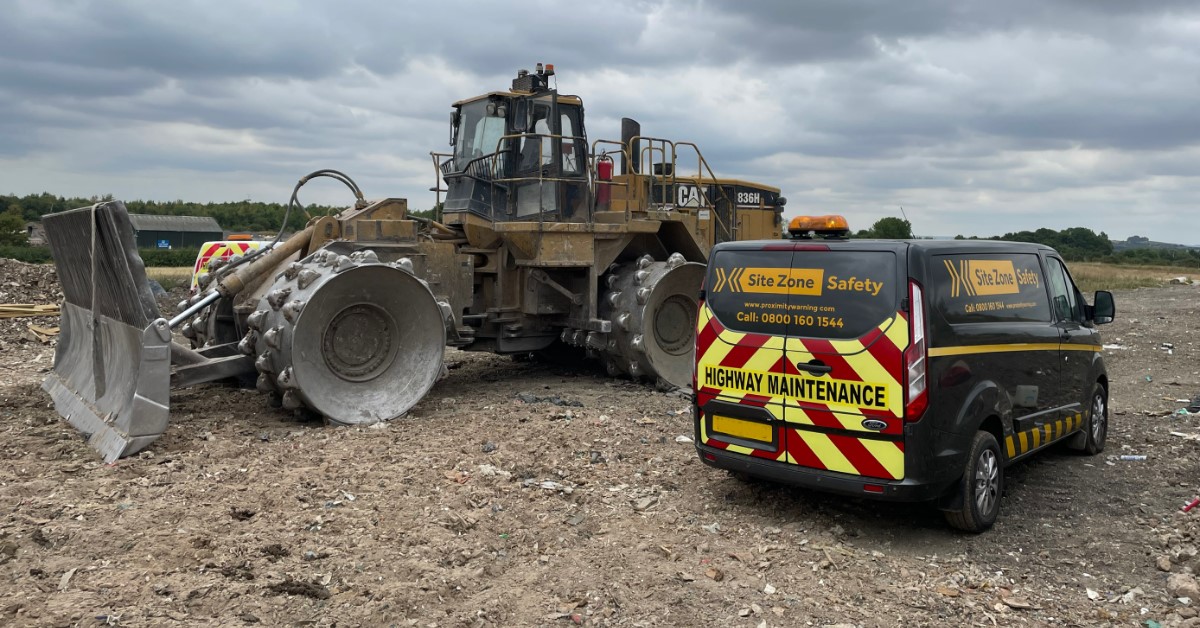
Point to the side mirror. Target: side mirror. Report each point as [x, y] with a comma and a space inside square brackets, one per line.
[1104, 309]
[453, 127]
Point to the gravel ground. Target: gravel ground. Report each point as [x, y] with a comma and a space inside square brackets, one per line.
[520, 493]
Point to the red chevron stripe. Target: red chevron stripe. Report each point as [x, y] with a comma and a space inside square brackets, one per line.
[801, 452]
[744, 350]
[857, 454]
[705, 338]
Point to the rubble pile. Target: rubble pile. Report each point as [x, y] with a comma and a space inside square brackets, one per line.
[28, 283]
[31, 284]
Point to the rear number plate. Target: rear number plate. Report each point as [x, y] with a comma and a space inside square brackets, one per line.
[738, 428]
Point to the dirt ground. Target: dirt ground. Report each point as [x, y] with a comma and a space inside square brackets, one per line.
[520, 493]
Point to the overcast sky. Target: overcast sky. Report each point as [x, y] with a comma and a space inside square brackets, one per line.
[978, 117]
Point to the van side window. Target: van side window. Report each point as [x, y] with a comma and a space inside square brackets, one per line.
[1066, 302]
[990, 287]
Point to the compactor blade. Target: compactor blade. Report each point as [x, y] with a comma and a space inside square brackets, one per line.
[112, 366]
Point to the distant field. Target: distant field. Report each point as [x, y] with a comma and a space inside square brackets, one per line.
[170, 277]
[1092, 276]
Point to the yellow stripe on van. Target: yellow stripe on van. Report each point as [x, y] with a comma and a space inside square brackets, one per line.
[1010, 348]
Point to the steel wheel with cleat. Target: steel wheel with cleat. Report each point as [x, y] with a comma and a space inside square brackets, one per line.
[653, 307]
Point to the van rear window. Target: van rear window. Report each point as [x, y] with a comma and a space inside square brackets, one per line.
[821, 294]
[980, 288]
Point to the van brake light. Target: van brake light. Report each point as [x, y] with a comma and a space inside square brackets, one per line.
[916, 397]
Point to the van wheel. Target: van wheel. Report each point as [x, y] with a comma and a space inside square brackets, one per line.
[982, 485]
[1097, 425]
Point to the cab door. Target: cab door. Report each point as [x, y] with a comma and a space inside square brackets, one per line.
[842, 387]
[740, 338]
[1078, 343]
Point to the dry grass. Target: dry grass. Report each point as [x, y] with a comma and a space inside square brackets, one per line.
[1092, 276]
[170, 277]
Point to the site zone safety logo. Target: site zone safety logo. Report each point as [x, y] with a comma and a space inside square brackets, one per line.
[976, 277]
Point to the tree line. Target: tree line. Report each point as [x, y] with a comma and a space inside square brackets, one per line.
[249, 216]
[1075, 244]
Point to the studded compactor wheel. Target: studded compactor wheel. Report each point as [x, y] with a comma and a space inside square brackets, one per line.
[353, 339]
[215, 324]
[653, 307]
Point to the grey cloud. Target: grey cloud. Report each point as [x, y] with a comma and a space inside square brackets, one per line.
[937, 104]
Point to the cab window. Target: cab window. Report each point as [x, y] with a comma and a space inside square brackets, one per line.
[1067, 306]
[990, 287]
[834, 295]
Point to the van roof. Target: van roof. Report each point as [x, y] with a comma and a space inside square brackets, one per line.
[928, 246]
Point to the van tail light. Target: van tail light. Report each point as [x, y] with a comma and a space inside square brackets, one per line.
[916, 393]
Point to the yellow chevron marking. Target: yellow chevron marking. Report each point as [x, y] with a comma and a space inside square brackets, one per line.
[1012, 450]
[954, 280]
[1024, 441]
[1049, 430]
[888, 455]
[1036, 434]
[896, 331]
[826, 451]
[870, 370]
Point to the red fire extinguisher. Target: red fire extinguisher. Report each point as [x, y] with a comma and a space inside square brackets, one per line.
[604, 175]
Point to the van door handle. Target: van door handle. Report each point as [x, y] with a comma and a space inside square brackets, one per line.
[814, 367]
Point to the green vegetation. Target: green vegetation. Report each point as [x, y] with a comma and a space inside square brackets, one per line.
[151, 257]
[890, 228]
[169, 257]
[27, 254]
[12, 228]
[234, 216]
[1076, 244]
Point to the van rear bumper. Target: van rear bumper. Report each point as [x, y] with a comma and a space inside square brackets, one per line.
[906, 490]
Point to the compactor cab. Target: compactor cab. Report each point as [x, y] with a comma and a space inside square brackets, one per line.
[548, 243]
[519, 155]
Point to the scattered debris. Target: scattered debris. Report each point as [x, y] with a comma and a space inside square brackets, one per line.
[241, 514]
[291, 586]
[554, 399]
[25, 310]
[65, 580]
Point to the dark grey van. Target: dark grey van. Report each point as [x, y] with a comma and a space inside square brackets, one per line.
[902, 370]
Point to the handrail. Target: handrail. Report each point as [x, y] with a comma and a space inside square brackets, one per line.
[437, 177]
[702, 168]
[594, 157]
[491, 169]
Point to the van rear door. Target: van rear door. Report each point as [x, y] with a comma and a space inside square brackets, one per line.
[843, 384]
[740, 337]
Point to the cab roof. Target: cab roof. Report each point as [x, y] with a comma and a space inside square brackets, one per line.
[563, 99]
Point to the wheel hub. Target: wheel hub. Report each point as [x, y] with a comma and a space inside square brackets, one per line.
[358, 342]
[674, 324]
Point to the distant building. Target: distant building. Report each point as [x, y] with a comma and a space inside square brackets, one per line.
[36, 233]
[174, 232]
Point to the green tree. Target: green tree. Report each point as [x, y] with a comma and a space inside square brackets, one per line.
[12, 228]
[892, 228]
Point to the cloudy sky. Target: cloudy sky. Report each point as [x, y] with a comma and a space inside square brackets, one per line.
[975, 116]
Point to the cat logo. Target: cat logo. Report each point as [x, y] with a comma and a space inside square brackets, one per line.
[689, 195]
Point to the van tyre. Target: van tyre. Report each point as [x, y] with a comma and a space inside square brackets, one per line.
[1096, 430]
[982, 485]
